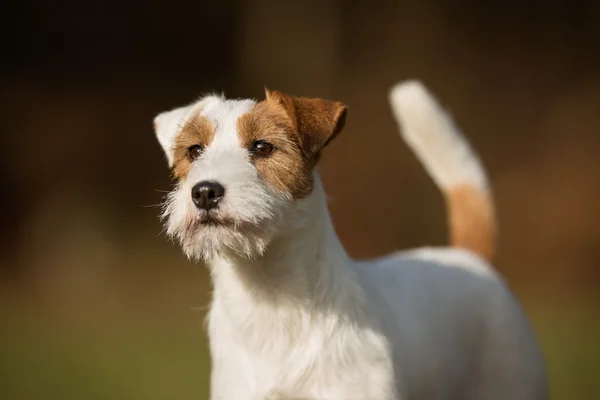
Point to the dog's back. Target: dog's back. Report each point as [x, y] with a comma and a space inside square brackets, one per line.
[458, 332]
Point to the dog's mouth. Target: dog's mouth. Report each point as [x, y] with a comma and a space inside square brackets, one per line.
[211, 218]
[213, 221]
[205, 235]
[208, 219]
[202, 222]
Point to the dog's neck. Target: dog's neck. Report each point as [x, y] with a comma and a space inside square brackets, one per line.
[304, 268]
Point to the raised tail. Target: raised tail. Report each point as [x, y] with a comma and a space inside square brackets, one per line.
[449, 159]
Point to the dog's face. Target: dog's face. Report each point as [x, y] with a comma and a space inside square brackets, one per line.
[241, 167]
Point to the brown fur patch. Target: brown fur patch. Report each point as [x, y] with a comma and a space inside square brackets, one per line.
[299, 128]
[472, 220]
[286, 169]
[197, 131]
[316, 121]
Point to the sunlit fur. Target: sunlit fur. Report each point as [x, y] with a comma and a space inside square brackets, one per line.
[251, 212]
[294, 317]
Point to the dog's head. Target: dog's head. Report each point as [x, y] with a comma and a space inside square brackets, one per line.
[241, 168]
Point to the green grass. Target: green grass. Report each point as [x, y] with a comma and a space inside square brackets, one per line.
[142, 361]
[147, 363]
[570, 338]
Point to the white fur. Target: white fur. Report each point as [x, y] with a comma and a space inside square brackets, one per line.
[294, 317]
[435, 139]
[248, 202]
[169, 123]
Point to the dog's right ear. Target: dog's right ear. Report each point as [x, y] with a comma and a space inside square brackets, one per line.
[166, 126]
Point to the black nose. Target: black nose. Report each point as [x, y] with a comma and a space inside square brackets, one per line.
[206, 194]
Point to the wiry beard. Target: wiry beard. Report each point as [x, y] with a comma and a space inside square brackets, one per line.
[210, 241]
[205, 236]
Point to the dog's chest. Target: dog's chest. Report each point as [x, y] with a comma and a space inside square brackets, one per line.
[297, 354]
[266, 339]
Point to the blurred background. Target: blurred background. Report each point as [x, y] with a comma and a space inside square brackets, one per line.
[95, 303]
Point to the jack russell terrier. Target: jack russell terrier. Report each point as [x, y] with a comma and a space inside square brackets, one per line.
[292, 315]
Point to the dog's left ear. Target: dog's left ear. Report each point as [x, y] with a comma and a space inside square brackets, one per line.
[316, 121]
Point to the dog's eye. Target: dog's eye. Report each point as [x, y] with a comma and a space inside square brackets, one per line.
[195, 152]
[261, 148]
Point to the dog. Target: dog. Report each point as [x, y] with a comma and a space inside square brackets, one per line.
[292, 315]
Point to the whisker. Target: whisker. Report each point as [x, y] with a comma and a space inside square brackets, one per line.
[158, 205]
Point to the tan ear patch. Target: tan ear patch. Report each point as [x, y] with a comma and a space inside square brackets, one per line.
[287, 169]
[197, 131]
[316, 121]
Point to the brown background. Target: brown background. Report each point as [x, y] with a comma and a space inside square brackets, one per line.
[95, 303]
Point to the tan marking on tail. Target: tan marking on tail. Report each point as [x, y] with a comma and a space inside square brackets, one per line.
[472, 219]
[429, 130]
